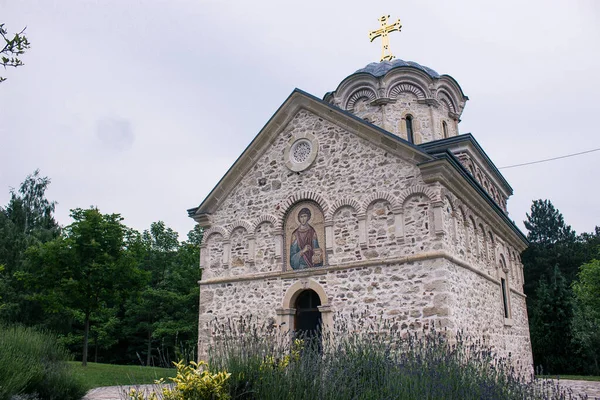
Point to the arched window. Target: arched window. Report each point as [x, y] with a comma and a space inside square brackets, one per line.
[505, 292]
[505, 298]
[409, 128]
[445, 129]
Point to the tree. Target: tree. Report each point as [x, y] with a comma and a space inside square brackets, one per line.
[551, 324]
[86, 269]
[545, 224]
[165, 311]
[27, 220]
[586, 321]
[552, 243]
[14, 47]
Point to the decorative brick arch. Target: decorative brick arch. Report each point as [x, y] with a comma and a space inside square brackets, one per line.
[241, 224]
[446, 194]
[379, 196]
[402, 87]
[447, 100]
[361, 93]
[419, 189]
[342, 203]
[502, 262]
[264, 218]
[286, 205]
[305, 284]
[215, 229]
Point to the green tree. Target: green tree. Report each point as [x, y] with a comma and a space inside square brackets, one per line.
[552, 243]
[27, 220]
[164, 313]
[551, 324]
[546, 225]
[14, 46]
[85, 270]
[586, 321]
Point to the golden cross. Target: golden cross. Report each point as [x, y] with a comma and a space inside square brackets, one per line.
[385, 40]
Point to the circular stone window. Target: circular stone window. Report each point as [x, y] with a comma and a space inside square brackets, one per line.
[301, 151]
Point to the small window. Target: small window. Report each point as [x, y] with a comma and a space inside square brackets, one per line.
[445, 129]
[409, 128]
[505, 298]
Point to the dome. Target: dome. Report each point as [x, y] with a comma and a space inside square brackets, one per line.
[404, 98]
[379, 69]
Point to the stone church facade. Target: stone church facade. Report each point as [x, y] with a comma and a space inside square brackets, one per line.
[371, 201]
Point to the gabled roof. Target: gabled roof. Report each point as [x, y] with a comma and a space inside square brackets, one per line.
[467, 142]
[296, 101]
[456, 176]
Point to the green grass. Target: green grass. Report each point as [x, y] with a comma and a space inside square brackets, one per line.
[96, 375]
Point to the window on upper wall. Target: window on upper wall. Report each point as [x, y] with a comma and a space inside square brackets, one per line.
[505, 298]
[445, 129]
[505, 292]
[409, 128]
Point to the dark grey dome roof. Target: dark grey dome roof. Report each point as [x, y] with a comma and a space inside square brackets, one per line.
[382, 68]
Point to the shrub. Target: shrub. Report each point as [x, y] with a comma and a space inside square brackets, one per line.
[193, 382]
[373, 362]
[32, 363]
[376, 361]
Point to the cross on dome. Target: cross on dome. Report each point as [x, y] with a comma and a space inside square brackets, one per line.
[386, 54]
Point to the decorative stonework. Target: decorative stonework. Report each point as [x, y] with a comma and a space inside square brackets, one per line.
[391, 243]
[383, 99]
[301, 151]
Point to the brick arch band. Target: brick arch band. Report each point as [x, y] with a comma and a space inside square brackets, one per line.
[262, 219]
[418, 189]
[241, 224]
[352, 203]
[379, 196]
[215, 229]
[304, 195]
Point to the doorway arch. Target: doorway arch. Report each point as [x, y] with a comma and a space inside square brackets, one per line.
[286, 315]
[308, 320]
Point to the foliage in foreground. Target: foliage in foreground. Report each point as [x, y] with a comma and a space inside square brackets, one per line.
[374, 362]
[193, 382]
[32, 362]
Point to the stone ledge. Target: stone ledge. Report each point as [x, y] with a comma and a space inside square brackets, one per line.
[430, 255]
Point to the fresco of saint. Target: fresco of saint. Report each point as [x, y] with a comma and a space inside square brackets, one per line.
[304, 249]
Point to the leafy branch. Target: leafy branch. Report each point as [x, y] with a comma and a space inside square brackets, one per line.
[13, 47]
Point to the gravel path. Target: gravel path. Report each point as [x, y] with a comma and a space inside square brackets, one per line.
[116, 392]
[592, 389]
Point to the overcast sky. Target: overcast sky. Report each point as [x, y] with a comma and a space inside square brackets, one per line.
[140, 107]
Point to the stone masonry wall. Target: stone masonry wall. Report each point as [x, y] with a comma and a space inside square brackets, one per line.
[414, 294]
[376, 208]
[347, 194]
[478, 310]
[427, 119]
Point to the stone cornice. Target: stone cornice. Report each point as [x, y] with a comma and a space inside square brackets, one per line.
[447, 171]
[296, 102]
[468, 144]
[430, 255]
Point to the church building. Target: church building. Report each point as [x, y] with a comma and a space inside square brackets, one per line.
[369, 200]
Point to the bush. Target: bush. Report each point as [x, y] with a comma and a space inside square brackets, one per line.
[373, 362]
[32, 363]
[193, 382]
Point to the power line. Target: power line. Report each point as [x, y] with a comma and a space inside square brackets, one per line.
[550, 159]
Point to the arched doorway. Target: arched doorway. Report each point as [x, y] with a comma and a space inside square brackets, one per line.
[308, 320]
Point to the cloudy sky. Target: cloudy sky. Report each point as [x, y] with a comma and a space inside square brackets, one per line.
[139, 107]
